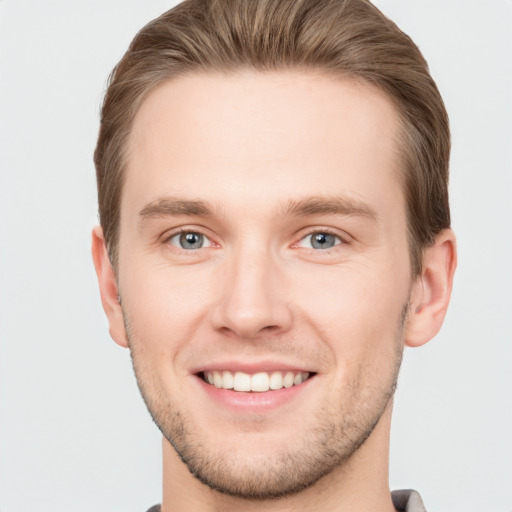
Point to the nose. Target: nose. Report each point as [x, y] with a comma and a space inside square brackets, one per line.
[253, 297]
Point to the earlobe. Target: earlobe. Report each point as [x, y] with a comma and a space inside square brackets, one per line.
[108, 288]
[431, 290]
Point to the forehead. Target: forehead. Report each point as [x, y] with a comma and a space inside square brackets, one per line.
[255, 137]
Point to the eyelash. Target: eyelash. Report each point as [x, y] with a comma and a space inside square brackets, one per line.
[182, 231]
[324, 231]
[327, 231]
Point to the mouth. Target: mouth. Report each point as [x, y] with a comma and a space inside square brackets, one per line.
[260, 382]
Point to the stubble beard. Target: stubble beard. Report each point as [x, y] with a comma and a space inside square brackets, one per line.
[329, 445]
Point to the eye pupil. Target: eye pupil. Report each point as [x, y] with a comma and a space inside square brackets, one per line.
[191, 240]
[322, 241]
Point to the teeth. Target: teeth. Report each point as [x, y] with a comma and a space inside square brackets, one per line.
[259, 382]
[217, 379]
[299, 378]
[288, 380]
[227, 380]
[242, 382]
[276, 380]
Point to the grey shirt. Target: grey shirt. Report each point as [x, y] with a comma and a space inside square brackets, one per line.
[405, 500]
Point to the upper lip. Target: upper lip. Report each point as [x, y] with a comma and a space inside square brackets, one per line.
[251, 367]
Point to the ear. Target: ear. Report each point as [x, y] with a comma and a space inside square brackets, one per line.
[108, 288]
[431, 290]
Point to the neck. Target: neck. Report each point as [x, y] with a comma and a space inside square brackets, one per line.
[359, 485]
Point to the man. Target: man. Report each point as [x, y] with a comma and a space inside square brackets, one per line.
[272, 182]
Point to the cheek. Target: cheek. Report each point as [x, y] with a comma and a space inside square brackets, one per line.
[164, 305]
[355, 311]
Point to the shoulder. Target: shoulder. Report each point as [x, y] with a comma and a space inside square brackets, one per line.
[404, 500]
[407, 500]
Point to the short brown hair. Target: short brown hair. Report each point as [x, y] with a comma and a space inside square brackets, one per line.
[341, 37]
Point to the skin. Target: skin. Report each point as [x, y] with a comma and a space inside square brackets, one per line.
[276, 157]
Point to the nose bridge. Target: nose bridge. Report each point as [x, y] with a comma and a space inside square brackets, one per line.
[252, 299]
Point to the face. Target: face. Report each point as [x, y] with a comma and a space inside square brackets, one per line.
[264, 272]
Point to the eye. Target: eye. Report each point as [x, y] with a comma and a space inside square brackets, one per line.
[320, 240]
[189, 240]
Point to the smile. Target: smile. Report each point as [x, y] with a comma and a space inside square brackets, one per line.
[258, 382]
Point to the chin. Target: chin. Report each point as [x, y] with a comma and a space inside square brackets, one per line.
[269, 464]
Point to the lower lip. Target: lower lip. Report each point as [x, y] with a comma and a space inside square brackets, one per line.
[254, 401]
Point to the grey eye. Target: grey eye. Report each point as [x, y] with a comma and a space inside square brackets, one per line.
[320, 240]
[188, 240]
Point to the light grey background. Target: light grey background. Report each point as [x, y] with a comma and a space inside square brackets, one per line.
[74, 434]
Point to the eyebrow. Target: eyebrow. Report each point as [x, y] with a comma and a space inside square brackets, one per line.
[329, 205]
[316, 205]
[173, 206]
